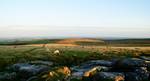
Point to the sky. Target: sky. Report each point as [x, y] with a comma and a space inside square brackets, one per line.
[75, 18]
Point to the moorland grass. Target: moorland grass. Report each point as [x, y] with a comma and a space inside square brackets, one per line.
[68, 56]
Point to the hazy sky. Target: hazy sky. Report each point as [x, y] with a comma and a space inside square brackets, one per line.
[75, 18]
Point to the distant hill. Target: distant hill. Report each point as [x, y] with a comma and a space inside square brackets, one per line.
[81, 41]
[129, 42]
[29, 41]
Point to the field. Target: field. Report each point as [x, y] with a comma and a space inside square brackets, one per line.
[72, 51]
[13, 52]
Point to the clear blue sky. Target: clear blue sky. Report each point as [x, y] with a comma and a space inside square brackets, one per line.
[83, 18]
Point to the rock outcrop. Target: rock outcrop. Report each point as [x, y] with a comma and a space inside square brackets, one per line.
[128, 69]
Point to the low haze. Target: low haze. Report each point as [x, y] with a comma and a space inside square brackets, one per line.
[74, 18]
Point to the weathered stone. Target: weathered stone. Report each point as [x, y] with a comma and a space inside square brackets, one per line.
[59, 74]
[77, 75]
[80, 73]
[145, 58]
[64, 70]
[142, 72]
[33, 78]
[94, 70]
[108, 76]
[27, 70]
[130, 69]
[130, 63]
[96, 63]
[8, 76]
[139, 74]
[87, 69]
[47, 63]
[132, 76]
[148, 65]
[88, 74]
